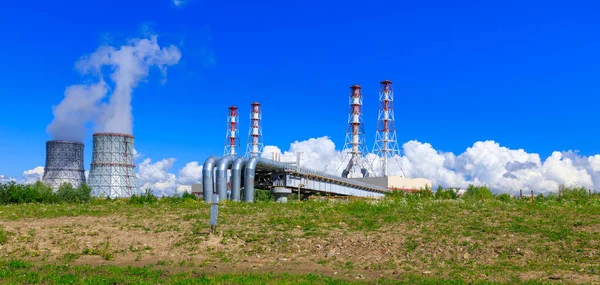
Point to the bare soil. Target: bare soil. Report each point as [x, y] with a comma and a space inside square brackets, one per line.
[169, 242]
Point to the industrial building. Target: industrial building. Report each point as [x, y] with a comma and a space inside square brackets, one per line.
[398, 183]
[283, 175]
[112, 173]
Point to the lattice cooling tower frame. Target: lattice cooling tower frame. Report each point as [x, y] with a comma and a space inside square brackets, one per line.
[64, 163]
[112, 172]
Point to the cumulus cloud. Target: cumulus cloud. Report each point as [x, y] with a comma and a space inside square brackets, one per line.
[5, 179]
[33, 175]
[484, 163]
[29, 176]
[157, 176]
[85, 103]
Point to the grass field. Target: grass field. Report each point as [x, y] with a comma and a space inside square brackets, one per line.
[410, 240]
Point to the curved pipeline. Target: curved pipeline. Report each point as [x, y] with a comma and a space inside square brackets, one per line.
[236, 178]
[249, 178]
[207, 178]
[222, 167]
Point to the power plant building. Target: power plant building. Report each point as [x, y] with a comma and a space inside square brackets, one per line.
[398, 182]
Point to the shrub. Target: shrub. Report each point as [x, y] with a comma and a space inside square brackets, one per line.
[262, 195]
[145, 198]
[187, 195]
[478, 193]
[38, 192]
[572, 194]
[442, 193]
[504, 197]
[395, 194]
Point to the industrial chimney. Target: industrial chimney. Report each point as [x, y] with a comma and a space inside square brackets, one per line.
[112, 173]
[255, 141]
[64, 164]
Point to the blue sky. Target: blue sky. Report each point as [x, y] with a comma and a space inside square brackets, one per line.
[522, 74]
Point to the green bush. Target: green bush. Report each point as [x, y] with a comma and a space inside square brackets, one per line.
[395, 195]
[442, 193]
[38, 192]
[67, 193]
[504, 197]
[145, 198]
[262, 195]
[572, 194]
[187, 195]
[478, 193]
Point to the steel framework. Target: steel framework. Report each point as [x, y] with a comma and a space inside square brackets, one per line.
[254, 147]
[232, 141]
[355, 145]
[386, 144]
[64, 164]
[112, 172]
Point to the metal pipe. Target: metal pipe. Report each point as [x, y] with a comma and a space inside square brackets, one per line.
[207, 178]
[236, 178]
[222, 167]
[276, 165]
[253, 162]
[249, 178]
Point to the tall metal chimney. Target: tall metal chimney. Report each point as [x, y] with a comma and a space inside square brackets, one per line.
[232, 141]
[113, 172]
[355, 146]
[255, 144]
[64, 164]
[386, 144]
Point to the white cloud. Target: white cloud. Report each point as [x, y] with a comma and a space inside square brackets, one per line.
[29, 176]
[5, 179]
[484, 163]
[156, 176]
[33, 175]
[487, 162]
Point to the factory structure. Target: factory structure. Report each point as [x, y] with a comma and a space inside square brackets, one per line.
[234, 176]
[112, 172]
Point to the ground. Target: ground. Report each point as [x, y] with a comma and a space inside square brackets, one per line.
[409, 240]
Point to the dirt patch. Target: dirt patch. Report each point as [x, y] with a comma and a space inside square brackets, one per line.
[176, 243]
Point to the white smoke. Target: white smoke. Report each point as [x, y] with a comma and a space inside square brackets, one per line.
[84, 103]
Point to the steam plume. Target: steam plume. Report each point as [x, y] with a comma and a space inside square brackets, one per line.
[84, 103]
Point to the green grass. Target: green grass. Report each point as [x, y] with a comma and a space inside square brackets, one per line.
[20, 272]
[480, 237]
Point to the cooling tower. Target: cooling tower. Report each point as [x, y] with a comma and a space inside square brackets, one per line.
[113, 173]
[64, 164]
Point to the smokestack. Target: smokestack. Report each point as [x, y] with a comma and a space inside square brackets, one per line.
[386, 144]
[64, 164]
[232, 141]
[255, 144]
[113, 172]
[354, 148]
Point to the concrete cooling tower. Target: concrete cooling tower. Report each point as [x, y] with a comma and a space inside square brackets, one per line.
[112, 173]
[64, 164]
